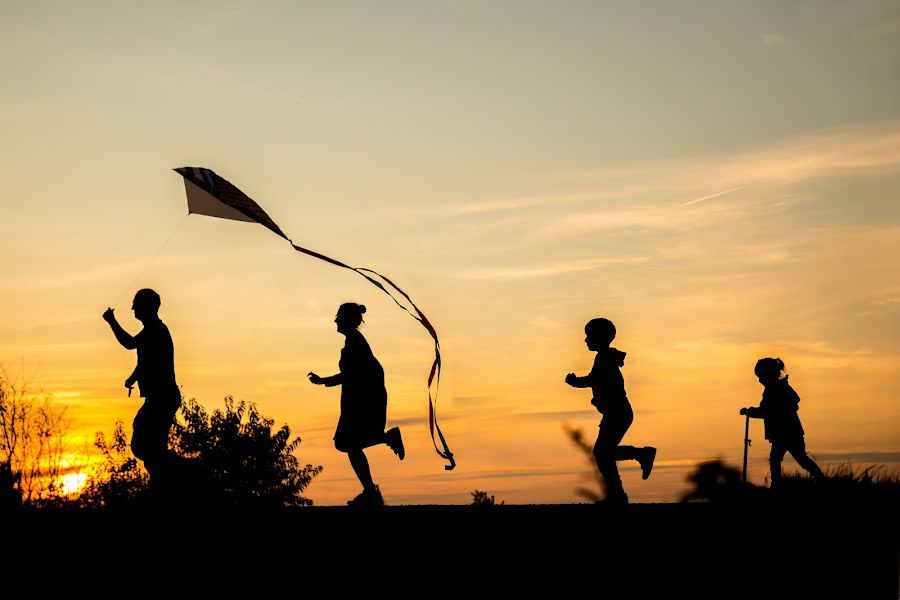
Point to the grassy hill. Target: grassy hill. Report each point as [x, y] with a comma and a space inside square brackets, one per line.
[698, 549]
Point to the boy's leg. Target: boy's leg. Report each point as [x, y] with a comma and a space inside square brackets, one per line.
[644, 455]
[606, 449]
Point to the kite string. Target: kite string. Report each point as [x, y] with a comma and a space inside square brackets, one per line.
[130, 285]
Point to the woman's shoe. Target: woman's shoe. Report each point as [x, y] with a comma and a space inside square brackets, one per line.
[395, 442]
[368, 498]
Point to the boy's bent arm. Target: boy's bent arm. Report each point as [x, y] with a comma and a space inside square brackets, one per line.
[578, 382]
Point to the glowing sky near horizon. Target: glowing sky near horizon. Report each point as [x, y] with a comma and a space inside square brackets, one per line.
[720, 179]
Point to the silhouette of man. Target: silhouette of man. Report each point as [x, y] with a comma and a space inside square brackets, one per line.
[608, 385]
[155, 376]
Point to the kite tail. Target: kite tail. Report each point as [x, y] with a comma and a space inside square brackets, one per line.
[434, 376]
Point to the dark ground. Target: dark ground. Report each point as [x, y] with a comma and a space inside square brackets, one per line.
[686, 550]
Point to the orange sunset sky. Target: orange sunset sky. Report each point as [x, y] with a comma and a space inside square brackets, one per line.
[720, 179]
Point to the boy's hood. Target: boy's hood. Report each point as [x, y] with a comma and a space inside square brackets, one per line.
[614, 356]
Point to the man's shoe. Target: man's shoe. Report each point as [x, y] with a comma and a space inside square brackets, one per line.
[395, 441]
[649, 455]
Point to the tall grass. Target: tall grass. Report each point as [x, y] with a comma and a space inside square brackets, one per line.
[846, 482]
[875, 486]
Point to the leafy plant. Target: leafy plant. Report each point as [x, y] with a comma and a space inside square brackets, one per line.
[237, 452]
[230, 458]
[119, 480]
[480, 498]
[598, 490]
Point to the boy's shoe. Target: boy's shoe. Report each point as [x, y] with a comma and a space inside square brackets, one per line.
[368, 498]
[395, 442]
[646, 460]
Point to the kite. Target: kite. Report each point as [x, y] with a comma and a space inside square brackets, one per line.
[211, 195]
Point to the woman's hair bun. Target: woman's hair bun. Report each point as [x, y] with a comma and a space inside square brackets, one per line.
[362, 308]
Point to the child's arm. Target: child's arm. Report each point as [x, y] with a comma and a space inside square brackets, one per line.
[754, 412]
[579, 382]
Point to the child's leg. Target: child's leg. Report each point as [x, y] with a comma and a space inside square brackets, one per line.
[798, 451]
[645, 455]
[606, 451]
[776, 455]
[628, 453]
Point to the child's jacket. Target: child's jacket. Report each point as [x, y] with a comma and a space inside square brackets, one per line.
[778, 410]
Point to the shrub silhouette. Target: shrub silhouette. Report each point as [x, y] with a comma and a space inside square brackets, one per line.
[714, 481]
[480, 498]
[119, 480]
[227, 458]
[238, 454]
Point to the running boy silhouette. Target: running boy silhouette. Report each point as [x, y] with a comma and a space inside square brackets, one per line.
[608, 385]
[778, 410]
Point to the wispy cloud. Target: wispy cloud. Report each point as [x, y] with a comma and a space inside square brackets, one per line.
[765, 174]
[559, 416]
[711, 196]
[507, 204]
[770, 39]
[859, 457]
[883, 30]
[852, 149]
[219, 23]
[849, 149]
[547, 269]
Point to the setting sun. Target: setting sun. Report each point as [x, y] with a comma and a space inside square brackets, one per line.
[73, 483]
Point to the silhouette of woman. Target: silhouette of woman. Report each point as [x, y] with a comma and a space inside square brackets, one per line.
[778, 410]
[608, 385]
[363, 403]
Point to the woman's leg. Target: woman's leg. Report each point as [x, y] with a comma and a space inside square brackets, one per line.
[371, 495]
[360, 465]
